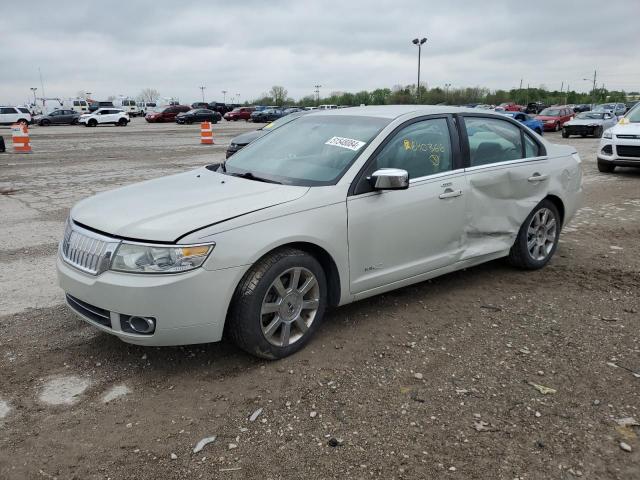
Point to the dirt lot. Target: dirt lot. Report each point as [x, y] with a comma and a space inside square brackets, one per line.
[431, 381]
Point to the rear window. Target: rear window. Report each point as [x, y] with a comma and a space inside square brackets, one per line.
[23, 110]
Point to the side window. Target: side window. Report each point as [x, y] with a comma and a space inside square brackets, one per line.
[422, 148]
[531, 148]
[492, 140]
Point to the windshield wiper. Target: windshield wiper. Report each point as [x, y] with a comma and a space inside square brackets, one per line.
[251, 176]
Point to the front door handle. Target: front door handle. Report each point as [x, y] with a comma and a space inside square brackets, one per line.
[536, 177]
[449, 193]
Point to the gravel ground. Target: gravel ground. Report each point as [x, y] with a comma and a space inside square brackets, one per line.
[436, 380]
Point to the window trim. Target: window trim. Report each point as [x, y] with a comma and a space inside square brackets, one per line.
[456, 156]
[466, 150]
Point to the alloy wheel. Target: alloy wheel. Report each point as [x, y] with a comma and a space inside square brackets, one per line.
[541, 234]
[289, 307]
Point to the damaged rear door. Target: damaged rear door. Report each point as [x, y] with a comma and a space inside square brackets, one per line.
[507, 175]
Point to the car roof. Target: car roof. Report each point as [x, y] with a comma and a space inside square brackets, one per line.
[395, 111]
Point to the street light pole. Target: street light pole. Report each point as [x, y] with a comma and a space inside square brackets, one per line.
[33, 89]
[224, 96]
[419, 43]
[202, 90]
[317, 90]
[446, 90]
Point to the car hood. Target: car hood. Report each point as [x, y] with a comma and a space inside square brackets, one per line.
[585, 121]
[167, 208]
[626, 129]
[248, 137]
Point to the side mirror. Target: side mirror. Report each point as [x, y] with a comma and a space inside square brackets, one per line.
[389, 179]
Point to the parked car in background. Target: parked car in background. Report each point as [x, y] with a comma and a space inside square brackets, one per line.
[79, 105]
[630, 105]
[327, 107]
[554, 118]
[200, 106]
[589, 123]
[511, 107]
[239, 113]
[11, 115]
[128, 105]
[331, 208]
[105, 116]
[618, 109]
[268, 115]
[535, 107]
[528, 120]
[165, 114]
[93, 106]
[620, 145]
[59, 117]
[221, 108]
[198, 115]
[244, 139]
[583, 107]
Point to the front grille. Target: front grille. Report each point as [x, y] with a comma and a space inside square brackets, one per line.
[628, 150]
[629, 137]
[580, 129]
[98, 315]
[86, 250]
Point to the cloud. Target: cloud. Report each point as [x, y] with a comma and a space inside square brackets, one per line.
[113, 48]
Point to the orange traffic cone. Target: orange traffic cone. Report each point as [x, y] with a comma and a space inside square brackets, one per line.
[206, 133]
[20, 138]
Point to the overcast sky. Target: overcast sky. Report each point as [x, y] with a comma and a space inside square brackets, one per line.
[118, 47]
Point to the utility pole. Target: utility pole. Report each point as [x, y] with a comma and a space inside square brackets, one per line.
[566, 96]
[593, 90]
[446, 91]
[224, 96]
[33, 89]
[317, 92]
[419, 43]
[202, 90]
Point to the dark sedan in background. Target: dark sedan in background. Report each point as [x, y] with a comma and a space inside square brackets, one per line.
[59, 117]
[198, 115]
[267, 115]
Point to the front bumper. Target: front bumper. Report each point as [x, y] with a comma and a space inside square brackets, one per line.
[581, 129]
[624, 152]
[189, 308]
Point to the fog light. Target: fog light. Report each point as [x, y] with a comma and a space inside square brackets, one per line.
[137, 324]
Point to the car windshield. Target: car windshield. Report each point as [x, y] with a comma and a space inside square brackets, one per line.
[634, 115]
[590, 115]
[311, 150]
[550, 112]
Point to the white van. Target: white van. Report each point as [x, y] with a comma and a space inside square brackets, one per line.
[128, 105]
[79, 105]
[328, 107]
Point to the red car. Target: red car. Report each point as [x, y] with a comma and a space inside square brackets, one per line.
[511, 107]
[240, 113]
[554, 118]
[166, 114]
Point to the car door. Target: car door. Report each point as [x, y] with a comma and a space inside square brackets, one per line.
[507, 175]
[397, 234]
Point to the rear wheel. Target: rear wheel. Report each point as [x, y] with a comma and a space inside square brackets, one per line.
[278, 305]
[92, 123]
[122, 122]
[605, 167]
[45, 122]
[538, 237]
[598, 132]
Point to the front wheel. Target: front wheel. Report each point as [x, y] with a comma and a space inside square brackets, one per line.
[598, 132]
[122, 122]
[538, 237]
[605, 167]
[45, 123]
[92, 123]
[565, 133]
[557, 127]
[278, 305]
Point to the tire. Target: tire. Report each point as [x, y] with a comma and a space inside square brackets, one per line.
[122, 122]
[597, 133]
[264, 334]
[75, 121]
[543, 239]
[45, 123]
[92, 123]
[605, 167]
[557, 127]
[565, 134]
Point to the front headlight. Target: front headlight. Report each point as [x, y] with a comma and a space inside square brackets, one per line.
[607, 134]
[141, 258]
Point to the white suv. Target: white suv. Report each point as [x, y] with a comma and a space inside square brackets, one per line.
[11, 115]
[105, 116]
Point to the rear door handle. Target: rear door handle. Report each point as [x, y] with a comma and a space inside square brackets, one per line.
[536, 177]
[449, 193]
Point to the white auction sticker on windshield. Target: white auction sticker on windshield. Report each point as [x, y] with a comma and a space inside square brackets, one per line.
[349, 143]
